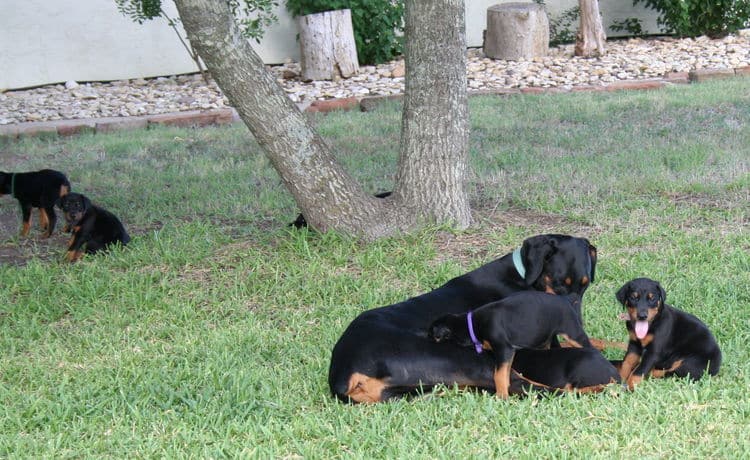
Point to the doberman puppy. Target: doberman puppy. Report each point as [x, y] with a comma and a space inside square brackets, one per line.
[528, 319]
[664, 340]
[91, 226]
[38, 189]
[580, 370]
[385, 352]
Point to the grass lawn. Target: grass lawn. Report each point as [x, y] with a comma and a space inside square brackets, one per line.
[210, 334]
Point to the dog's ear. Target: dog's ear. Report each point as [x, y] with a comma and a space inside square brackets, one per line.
[534, 252]
[662, 293]
[86, 202]
[592, 256]
[623, 293]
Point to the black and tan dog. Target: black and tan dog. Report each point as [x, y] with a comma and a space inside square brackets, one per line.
[525, 320]
[92, 227]
[37, 189]
[385, 352]
[664, 341]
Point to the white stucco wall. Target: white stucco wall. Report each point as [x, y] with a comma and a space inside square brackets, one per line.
[45, 41]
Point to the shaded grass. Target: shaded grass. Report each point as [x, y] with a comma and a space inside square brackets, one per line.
[209, 336]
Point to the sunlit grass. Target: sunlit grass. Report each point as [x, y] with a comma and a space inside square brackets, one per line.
[209, 335]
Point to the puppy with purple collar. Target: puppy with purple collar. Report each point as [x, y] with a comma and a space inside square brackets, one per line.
[526, 320]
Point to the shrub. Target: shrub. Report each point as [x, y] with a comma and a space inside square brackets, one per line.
[562, 28]
[690, 18]
[378, 24]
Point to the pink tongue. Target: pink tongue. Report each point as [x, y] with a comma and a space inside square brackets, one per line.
[641, 329]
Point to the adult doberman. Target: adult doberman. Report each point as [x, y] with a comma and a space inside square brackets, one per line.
[386, 352]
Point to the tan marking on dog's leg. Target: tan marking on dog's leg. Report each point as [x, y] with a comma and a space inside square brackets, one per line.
[661, 373]
[44, 222]
[73, 256]
[628, 364]
[572, 342]
[25, 227]
[590, 389]
[502, 380]
[634, 380]
[529, 381]
[365, 389]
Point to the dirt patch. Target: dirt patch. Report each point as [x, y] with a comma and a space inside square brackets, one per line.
[464, 247]
[18, 250]
[470, 246]
[701, 200]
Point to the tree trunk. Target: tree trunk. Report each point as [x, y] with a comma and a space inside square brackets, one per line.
[433, 158]
[327, 47]
[590, 39]
[429, 185]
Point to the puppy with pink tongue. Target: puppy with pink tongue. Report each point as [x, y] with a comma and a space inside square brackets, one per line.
[664, 340]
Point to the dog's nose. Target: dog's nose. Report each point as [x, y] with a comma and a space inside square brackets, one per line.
[642, 316]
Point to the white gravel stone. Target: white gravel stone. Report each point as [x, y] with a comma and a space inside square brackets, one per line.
[629, 59]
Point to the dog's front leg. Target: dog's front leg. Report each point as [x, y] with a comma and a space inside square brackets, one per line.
[502, 371]
[648, 359]
[74, 246]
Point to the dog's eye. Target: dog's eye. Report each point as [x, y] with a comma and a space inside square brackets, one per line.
[634, 296]
[650, 296]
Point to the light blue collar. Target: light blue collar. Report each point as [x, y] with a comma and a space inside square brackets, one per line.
[519, 263]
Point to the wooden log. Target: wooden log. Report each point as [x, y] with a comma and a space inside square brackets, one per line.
[516, 31]
[327, 47]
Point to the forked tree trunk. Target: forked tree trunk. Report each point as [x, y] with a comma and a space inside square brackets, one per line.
[591, 39]
[432, 167]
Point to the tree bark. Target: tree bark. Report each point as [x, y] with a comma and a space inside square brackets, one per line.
[590, 39]
[430, 181]
[433, 160]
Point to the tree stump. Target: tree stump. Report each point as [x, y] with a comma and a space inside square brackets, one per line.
[327, 46]
[516, 31]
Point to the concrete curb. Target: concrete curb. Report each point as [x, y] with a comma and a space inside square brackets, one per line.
[197, 118]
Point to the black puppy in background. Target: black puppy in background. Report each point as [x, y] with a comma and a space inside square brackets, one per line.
[91, 226]
[38, 189]
[664, 341]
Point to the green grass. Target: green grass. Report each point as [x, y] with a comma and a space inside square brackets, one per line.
[210, 335]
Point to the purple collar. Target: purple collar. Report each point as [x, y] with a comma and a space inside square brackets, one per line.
[474, 340]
